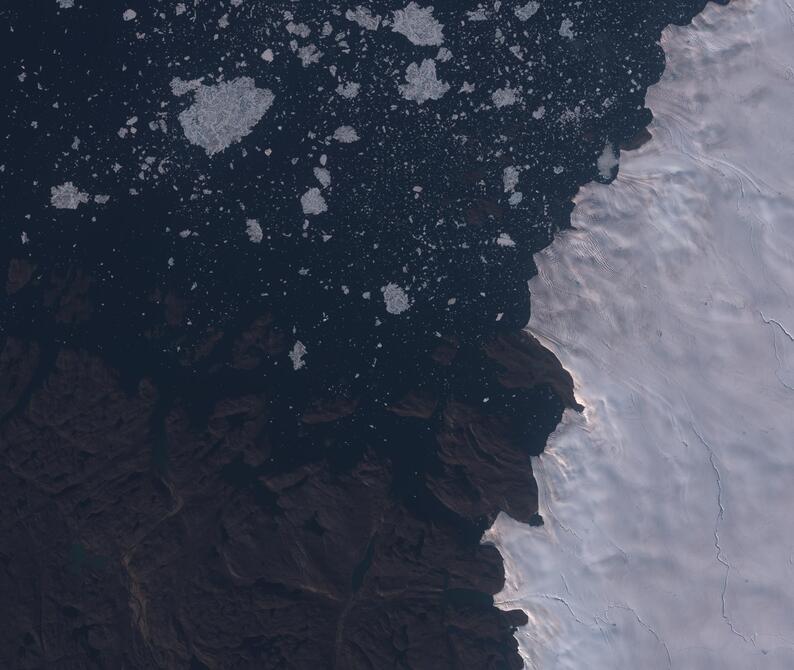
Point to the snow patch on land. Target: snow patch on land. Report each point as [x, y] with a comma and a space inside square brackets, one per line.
[668, 540]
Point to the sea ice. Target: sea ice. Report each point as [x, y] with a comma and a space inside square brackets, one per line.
[222, 114]
[396, 298]
[67, 196]
[312, 202]
[296, 355]
[527, 11]
[254, 230]
[418, 25]
[363, 17]
[667, 539]
[422, 83]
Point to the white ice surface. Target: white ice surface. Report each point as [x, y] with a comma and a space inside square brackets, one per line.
[669, 505]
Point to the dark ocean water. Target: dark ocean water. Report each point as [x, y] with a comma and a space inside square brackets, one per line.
[101, 280]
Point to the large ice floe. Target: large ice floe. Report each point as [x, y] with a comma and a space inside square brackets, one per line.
[668, 539]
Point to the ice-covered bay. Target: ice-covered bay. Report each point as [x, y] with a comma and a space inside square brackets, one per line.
[669, 505]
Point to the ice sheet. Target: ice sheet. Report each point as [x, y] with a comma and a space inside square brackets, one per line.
[669, 505]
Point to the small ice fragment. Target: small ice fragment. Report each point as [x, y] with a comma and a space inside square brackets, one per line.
[312, 202]
[348, 90]
[504, 97]
[296, 355]
[422, 83]
[363, 17]
[323, 175]
[67, 196]
[346, 134]
[253, 230]
[510, 178]
[565, 29]
[527, 11]
[396, 298]
[418, 25]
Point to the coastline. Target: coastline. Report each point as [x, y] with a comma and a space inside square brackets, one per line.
[664, 543]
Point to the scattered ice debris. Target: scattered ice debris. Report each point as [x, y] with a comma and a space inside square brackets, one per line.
[467, 88]
[478, 14]
[363, 17]
[312, 202]
[296, 355]
[527, 11]
[253, 230]
[129, 14]
[181, 86]
[67, 196]
[418, 25]
[101, 199]
[607, 161]
[510, 178]
[515, 198]
[539, 113]
[267, 55]
[224, 113]
[180, 8]
[503, 97]
[443, 55]
[346, 134]
[396, 299]
[66, 4]
[504, 240]
[348, 90]
[423, 83]
[565, 29]
[323, 176]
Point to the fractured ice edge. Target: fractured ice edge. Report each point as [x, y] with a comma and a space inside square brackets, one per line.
[667, 540]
